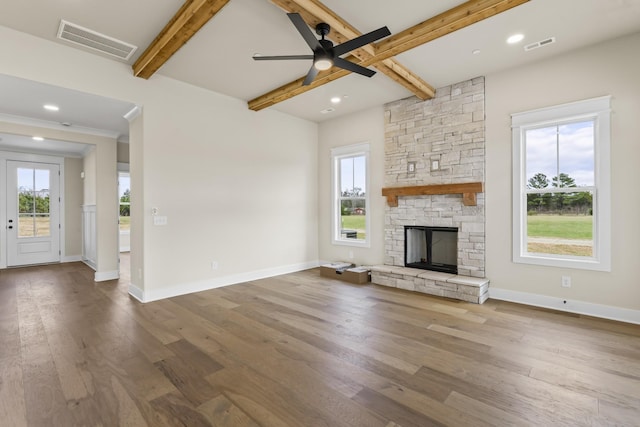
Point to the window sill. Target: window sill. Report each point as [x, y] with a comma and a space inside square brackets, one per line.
[351, 242]
[577, 263]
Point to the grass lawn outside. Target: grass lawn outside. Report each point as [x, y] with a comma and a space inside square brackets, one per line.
[355, 222]
[27, 227]
[560, 226]
[560, 234]
[125, 223]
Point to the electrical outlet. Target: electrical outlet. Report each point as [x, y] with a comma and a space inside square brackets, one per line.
[566, 281]
[411, 167]
[214, 265]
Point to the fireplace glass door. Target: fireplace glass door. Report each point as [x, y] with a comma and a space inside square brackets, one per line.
[431, 248]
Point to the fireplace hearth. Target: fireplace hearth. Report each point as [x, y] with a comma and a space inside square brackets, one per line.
[431, 248]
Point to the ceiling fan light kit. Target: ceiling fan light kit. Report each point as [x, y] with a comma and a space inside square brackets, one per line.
[325, 54]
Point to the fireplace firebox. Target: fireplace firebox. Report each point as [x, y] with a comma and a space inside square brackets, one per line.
[431, 248]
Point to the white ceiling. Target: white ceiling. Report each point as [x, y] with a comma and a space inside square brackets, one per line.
[219, 56]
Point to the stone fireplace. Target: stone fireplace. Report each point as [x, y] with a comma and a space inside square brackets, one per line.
[437, 145]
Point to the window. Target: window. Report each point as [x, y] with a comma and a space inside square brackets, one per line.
[124, 190]
[34, 216]
[561, 186]
[350, 195]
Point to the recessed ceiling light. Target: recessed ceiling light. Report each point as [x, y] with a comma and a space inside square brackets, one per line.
[475, 51]
[516, 38]
[327, 110]
[37, 138]
[336, 100]
[51, 107]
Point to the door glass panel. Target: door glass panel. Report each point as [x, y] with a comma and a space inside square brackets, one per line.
[33, 203]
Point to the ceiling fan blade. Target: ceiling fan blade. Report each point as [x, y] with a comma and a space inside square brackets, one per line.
[305, 31]
[313, 72]
[362, 40]
[347, 65]
[281, 57]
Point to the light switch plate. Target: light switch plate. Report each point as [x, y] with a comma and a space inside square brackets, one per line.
[411, 167]
[159, 220]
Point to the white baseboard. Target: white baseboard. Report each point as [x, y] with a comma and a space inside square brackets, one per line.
[71, 258]
[136, 292]
[101, 276]
[218, 282]
[571, 306]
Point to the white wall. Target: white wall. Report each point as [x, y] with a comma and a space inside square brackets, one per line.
[612, 68]
[237, 187]
[364, 126]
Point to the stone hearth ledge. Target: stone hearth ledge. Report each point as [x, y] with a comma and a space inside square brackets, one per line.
[465, 288]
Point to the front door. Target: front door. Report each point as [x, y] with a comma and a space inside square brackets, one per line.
[33, 213]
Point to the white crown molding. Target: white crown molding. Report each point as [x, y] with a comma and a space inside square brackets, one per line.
[133, 113]
[28, 121]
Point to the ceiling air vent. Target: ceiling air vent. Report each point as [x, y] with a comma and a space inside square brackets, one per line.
[93, 40]
[541, 43]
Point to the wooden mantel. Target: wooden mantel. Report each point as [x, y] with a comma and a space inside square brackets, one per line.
[467, 189]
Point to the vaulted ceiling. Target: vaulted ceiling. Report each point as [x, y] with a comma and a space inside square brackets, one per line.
[210, 43]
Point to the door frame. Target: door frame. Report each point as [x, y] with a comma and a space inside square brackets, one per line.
[26, 157]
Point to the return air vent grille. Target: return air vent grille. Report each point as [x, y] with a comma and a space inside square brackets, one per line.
[93, 40]
[541, 43]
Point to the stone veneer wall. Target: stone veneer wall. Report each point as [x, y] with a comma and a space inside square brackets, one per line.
[448, 128]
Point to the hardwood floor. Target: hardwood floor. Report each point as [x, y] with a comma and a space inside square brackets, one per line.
[301, 350]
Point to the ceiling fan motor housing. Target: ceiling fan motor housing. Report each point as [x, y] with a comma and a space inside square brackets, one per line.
[323, 29]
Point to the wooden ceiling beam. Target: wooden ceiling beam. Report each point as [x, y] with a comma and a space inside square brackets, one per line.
[185, 23]
[314, 12]
[445, 23]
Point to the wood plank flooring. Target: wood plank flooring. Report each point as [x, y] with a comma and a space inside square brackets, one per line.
[301, 350]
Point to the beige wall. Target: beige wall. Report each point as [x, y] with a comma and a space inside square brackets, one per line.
[90, 176]
[136, 236]
[237, 187]
[73, 192]
[365, 126]
[123, 152]
[612, 69]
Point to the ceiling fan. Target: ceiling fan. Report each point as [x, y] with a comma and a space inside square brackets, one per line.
[325, 54]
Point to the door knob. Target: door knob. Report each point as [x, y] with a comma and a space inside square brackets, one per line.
[10, 227]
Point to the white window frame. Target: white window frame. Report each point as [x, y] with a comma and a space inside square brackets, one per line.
[598, 110]
[337, 154]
